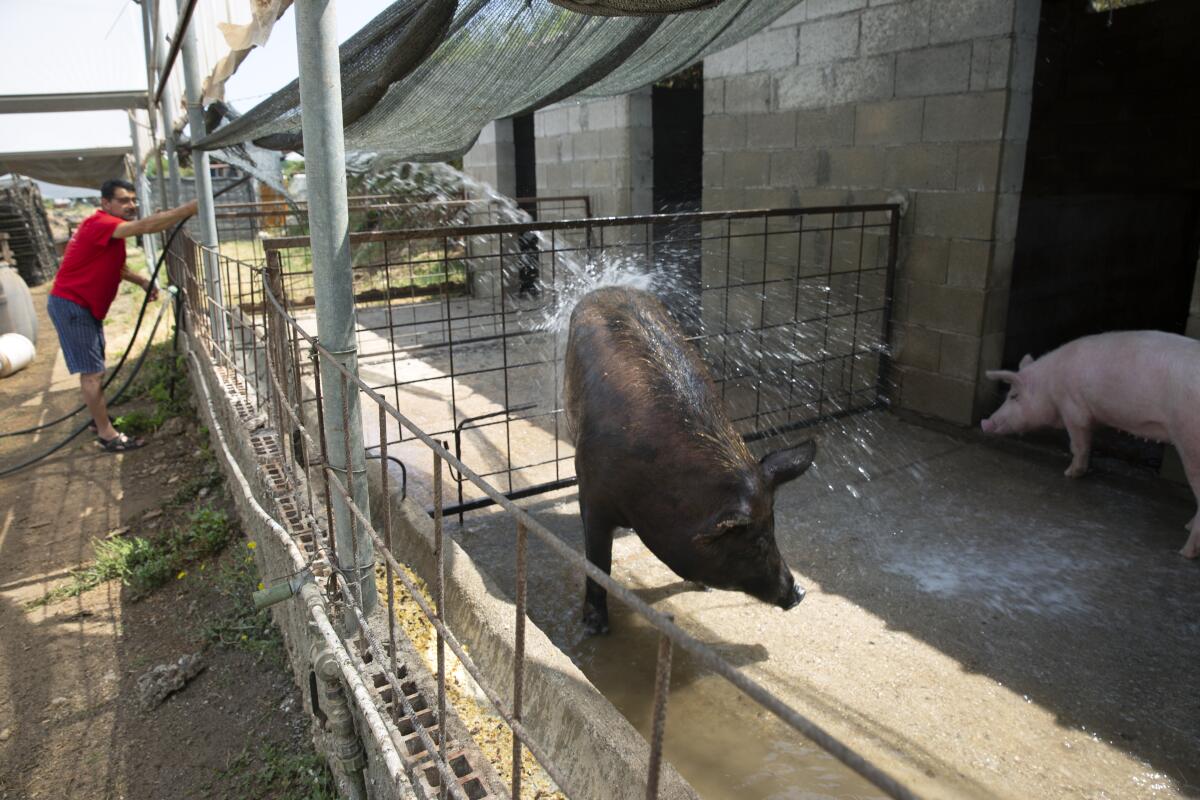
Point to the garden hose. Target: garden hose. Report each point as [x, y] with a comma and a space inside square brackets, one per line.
[137, 326]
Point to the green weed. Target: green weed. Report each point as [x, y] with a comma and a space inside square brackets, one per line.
[274, 771]
[143, 564]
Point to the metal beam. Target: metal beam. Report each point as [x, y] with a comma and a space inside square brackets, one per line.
[75, 153]
[329, 225]
[176, 42]
[73, 101]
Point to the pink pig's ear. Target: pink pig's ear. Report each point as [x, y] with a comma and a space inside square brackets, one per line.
[1003, 375]
[1026, 361]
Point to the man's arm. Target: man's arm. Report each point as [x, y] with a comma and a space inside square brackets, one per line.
[155, 222]
[144, 282]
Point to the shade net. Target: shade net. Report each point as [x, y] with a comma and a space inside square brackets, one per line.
[422, 79]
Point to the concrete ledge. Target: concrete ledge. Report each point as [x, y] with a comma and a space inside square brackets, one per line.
[600, 755]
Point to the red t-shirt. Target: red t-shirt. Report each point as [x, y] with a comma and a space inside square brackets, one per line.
[91, 266]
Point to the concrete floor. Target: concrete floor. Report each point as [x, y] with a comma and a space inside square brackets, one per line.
[976, 622]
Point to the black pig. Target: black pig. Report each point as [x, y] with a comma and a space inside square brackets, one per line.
[655, 451]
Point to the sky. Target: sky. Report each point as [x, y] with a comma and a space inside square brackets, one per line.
[96, 45]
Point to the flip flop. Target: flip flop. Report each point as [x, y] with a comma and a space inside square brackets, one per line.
[120, 443]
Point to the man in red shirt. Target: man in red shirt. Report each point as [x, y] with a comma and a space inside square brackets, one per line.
[85, 286]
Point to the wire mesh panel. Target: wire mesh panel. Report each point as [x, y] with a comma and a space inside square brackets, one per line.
[464, 327]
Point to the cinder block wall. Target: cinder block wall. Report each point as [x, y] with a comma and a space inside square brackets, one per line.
[848, 101]
[601, 148]
[493, 158]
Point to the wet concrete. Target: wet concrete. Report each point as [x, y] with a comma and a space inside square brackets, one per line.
[977, 623]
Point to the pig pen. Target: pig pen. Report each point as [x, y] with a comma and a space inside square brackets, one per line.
[975, 622]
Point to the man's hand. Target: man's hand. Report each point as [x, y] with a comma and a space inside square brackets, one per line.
[151, 289]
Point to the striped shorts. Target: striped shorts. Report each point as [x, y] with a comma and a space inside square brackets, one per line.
[80, 335]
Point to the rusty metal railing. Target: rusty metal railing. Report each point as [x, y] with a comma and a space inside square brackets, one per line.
[277, 342]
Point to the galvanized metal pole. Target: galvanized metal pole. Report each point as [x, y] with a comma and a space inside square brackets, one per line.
[166, 111]
[329, 227]
[206, 212]
[142, 188]
[160, 199]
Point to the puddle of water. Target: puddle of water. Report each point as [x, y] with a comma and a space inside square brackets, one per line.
[724, 744]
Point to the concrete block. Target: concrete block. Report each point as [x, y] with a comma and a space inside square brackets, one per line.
[990, 64]
[895, 27]
[712, 169]
[1000, 272]
[794, 16]
[748, 94]
[966, 215]
[960, 356]
[714, 95]
[920, 166]
[600, 114]
[771, 131]
[827, 8]
[978, 167]
[962, 20]
[946, 308]
[938, 396]
[585, 145]
[889, 122]
[826, 127]
[933, 70]
[828, 40]
[724, 133]
[771, 49]
[641, 143]
[614, 143]
[863, 79]
[731, 61]
[726, 199]
[964, 117]
[770, 197]
[747, 169]
[575, 117]
[638, 109]
[1012, 166]
[1020, 111]
[1022, 64]
[926, 260]
[856, 166]
[807, 86]
[796, 168]
[969, 263]
[1008, 207]
[995, 317]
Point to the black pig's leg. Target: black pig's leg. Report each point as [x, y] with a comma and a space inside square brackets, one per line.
[597, 538]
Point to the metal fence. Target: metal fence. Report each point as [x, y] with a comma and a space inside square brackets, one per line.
[462, 325]
[768, 277]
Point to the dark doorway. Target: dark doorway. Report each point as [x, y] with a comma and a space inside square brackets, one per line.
[677, 109]
[1109, 223]
[525, 156]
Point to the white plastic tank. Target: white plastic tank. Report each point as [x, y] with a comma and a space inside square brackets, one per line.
[16, 352]
[16, 305]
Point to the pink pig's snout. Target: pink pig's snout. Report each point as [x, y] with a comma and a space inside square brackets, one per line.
[987, 425]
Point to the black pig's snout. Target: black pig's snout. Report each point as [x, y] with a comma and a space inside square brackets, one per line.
[792, 597]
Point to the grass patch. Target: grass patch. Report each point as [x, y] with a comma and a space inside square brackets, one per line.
[163, 380]
[143, 564]
[270, 770]
[241, 626]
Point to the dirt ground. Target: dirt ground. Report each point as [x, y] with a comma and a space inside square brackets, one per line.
[71, 723]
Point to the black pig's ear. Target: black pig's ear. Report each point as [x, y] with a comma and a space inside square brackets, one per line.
[785, 465]
[730, 521]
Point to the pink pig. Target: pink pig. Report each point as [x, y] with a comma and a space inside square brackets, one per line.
[1144, 382]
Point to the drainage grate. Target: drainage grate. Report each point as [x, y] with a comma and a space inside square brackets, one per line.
[295, 521]
[277, 479]
[266, 445]
[461, 756]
